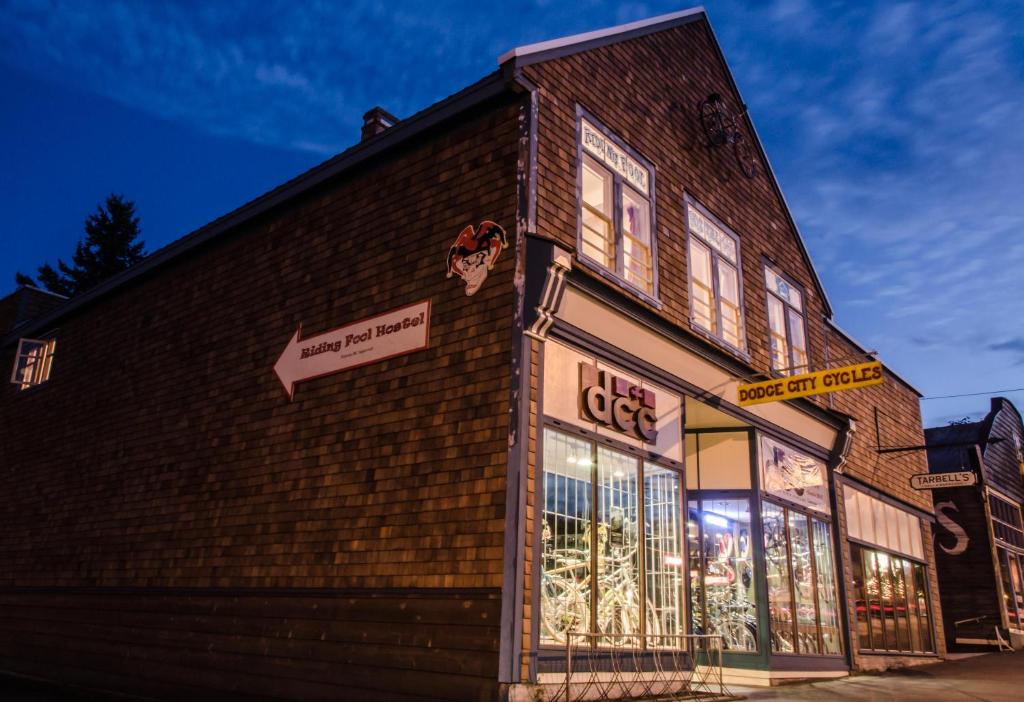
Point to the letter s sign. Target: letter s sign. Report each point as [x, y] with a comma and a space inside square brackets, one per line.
[962, 540]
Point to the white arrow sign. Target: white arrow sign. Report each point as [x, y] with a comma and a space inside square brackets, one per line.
[391, 334]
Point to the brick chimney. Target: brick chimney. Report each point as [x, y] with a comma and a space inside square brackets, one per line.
[376, 121]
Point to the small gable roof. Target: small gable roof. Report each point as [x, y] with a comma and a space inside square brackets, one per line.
[947, 446]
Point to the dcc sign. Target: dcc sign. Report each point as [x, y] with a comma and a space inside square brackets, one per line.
[617, 403]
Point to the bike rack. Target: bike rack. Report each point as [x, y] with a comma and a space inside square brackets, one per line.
[607, 667]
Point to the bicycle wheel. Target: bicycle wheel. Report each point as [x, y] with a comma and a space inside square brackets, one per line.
[563, 608]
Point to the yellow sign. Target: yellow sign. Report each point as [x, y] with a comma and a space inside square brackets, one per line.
[846, 378]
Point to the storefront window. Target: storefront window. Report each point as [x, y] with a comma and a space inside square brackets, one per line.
[893, 591]
[828, 601]
[594, 561]
[618, 547]
[722, 572]
[860, 602]
[1013, 595]
[663, 549]
[565, 539]
[800, 569]
[776, 556]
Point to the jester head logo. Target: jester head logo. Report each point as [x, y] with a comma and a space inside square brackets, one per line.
[474, 252]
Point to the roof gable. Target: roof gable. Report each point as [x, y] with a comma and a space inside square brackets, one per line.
[566, 46]
[553, 49]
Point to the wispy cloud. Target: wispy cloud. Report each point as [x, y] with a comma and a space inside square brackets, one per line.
[1013, 346]
[892, 126]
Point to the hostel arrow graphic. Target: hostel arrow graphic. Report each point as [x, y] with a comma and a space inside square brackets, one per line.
[391, 334]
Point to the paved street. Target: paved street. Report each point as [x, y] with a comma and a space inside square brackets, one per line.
[995, 677]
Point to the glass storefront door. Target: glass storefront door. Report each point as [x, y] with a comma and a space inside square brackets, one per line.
[723, 586]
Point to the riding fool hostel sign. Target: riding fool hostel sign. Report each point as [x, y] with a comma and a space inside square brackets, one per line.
[391, 334]
[860, 375]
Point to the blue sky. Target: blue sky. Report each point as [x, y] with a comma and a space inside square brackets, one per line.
[895, 129]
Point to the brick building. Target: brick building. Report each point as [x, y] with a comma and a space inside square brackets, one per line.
[979, 552]
[534, 431]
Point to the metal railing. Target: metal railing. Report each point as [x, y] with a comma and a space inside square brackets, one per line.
[608, 667]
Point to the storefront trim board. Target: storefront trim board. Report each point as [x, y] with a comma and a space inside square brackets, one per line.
[635, 339]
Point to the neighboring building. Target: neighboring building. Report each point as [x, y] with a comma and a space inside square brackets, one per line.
[565, 272]
[979, 546]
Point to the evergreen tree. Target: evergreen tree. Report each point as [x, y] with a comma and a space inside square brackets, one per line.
[109, 247]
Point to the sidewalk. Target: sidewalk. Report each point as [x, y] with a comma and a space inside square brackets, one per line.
[993, 677]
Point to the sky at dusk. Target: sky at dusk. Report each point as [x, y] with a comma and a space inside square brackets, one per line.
[896, 131]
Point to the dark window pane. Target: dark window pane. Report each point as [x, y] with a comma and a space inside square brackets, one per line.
[780, 605]
[912, 608]
[873, 590]
[828, 602]
[899, 603]
[803, 584]
[693, 542]
[860, 602]
[921, 586]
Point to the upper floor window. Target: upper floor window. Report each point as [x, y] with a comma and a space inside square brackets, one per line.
[715, 299]
[1006, 520]
[616, 211]
[786, 332]
[33, 362]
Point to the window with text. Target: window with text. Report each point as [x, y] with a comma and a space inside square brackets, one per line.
[786, 332]
[616, 210]
[715, 304]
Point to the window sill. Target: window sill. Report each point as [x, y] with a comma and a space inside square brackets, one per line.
[719, 342]
[28, 392]
[899, 654]
[595, 267]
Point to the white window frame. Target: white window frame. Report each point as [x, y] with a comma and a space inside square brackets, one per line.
[787, 307]
[882, 525]
[691, 205]
[620, 185]
[37, 355]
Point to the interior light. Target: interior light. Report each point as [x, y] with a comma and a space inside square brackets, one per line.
[716, 520]
[619, 474]
[673, 561]
[584, 461]
[571, 459]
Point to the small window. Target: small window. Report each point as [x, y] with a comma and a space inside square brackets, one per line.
[716, 305]
[1006, 521]
[787, 336]
[616, 213]
[33, 362]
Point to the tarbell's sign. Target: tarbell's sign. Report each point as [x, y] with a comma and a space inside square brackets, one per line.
[935, 481]
[846, 378]
[391, 334]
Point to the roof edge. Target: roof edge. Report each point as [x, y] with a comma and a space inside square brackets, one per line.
[36, 288]
[566, 46]
[490, 86]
